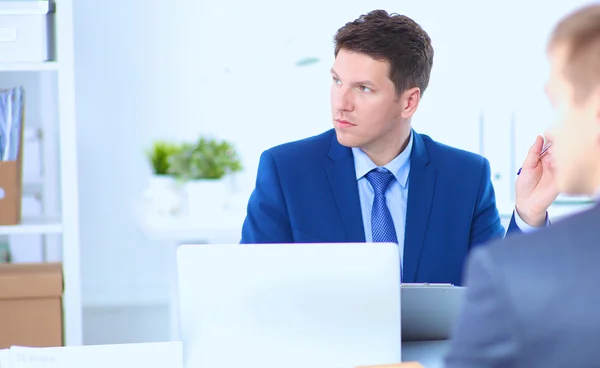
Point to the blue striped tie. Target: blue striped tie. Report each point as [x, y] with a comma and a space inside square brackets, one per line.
[382, 225]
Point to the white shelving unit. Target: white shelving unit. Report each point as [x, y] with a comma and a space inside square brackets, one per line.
[34, 226]
[28, 67]
[53, 103]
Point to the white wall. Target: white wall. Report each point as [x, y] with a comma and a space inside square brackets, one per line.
[124, 99]
[148, 70]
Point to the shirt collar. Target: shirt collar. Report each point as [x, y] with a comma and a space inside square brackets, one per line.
[399, 166]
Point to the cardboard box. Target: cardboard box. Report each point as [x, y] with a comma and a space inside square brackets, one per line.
[31, 305]
[11, 183]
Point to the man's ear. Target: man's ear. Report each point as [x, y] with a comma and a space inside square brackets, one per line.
[410, 100]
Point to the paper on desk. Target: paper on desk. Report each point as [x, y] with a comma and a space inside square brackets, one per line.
[3, 358]
[148, 355]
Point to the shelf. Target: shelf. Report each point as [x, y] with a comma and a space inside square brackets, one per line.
[28, 67]
[33, 226]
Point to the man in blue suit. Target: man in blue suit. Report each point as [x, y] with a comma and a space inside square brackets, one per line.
[373, 178]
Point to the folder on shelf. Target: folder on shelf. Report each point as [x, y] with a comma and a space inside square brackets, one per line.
[12, 111]
[11, 103]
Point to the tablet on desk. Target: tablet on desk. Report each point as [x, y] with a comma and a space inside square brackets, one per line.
[429, 311]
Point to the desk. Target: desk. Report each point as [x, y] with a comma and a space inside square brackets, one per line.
[225, 227]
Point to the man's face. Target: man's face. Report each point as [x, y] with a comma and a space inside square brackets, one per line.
[575, 136]
[366, 110]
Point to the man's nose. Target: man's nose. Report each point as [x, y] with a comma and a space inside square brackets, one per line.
[344, 100]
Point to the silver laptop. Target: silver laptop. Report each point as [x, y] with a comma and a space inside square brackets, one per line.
[289, 305]
[429, 311]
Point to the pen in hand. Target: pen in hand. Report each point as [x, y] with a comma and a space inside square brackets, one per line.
[544, 150]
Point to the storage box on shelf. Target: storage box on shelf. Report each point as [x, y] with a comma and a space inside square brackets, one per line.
[31, 305]
[26, 31]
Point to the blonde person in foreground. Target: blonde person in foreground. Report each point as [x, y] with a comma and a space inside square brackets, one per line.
[534, 301]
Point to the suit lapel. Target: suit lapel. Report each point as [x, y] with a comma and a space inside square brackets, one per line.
[342, 177]
[420, 198]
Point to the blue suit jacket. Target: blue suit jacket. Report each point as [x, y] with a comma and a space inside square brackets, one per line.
[306, 191]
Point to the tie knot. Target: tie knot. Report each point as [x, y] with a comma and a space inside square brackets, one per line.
[380, 179]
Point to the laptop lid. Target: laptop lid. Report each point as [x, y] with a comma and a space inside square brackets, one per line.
[289, 305]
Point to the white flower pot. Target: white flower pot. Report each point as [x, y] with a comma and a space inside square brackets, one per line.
[205, 196]
[164, 196]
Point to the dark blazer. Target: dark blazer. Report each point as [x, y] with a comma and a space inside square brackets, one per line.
[533, 300]
[306, 191]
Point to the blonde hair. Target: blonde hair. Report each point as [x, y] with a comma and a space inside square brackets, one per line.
[580, 33]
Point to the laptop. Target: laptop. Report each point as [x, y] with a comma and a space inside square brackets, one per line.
[332, 305]
[429, 311]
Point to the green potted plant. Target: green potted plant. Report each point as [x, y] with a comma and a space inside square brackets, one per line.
[159, 156]
[201, 167]
[163, 192]
[207, 159]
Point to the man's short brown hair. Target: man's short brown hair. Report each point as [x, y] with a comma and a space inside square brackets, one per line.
[394, 38]
[580, 33]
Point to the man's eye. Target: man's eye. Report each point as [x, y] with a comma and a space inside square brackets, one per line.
[364, 89]
[337, 81]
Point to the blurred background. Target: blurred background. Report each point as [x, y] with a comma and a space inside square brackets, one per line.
[253, 74]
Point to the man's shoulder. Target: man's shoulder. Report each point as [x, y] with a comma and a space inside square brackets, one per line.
[303, 148]
[446, 157]
[442, 152]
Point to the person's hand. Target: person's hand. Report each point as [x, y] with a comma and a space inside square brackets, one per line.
[399, 365]
[536, 187]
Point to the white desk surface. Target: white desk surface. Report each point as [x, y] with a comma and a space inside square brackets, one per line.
[214, 227]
